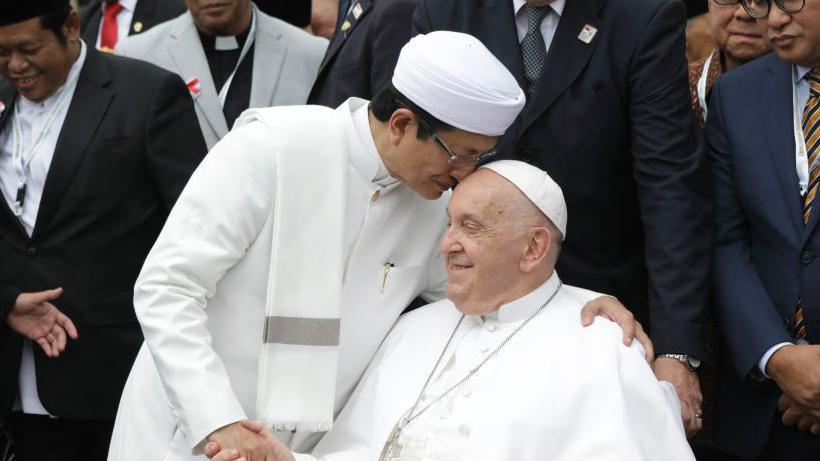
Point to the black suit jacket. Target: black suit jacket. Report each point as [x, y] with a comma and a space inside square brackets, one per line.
[148, 14]
[611, 123]
[129, 143]
[360, 61]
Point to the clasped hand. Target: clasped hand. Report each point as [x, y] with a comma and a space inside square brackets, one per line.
[796, 370]
[246, 441]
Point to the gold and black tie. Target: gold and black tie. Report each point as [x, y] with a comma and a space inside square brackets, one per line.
[811, 133]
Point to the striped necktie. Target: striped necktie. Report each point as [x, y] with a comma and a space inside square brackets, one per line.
[811, 133]
[533, 49]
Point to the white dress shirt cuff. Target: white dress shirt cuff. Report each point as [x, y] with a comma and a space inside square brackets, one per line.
[765, 359]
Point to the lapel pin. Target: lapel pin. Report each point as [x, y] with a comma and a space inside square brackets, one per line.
[587, 34]
[345, 26]
[2, 107]
[137, 27]
[194, 87]
[357, 10]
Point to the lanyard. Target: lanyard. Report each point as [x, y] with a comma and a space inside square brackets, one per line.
[223, 93]
[802, 164]
[22, 160]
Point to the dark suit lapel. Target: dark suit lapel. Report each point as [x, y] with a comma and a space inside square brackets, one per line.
[143, 16]
[89, 104]
[360, 9]
[568, 55]
[495, 27]
[778, 116]
[8, 97]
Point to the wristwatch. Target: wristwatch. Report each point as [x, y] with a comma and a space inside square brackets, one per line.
[691, 363]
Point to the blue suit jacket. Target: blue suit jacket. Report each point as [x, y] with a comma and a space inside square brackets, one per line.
[765, 257]
[611, 123]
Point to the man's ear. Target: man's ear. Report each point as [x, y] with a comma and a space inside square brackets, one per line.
[536, 250]
[71, 26]
[399, 125]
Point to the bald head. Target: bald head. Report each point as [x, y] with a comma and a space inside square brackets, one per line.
[499, 246]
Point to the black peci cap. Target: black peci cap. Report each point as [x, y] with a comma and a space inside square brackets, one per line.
[14, 11]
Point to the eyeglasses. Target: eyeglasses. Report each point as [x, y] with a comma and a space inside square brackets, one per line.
[759, 9]
[456, 160]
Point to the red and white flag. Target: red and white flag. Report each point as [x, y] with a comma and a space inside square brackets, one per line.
[194, 87]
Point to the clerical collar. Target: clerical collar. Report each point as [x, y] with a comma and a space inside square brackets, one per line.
[70, 82]
[228, 43]
[524, 306]
[369, 164]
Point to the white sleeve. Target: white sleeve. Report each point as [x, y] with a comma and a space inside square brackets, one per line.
[769, 353]
[218, 215]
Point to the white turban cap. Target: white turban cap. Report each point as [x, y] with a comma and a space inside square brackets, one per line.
[537, 186]
[456, 79]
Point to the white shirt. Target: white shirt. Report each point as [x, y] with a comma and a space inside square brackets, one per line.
[802, 91]
[548, 25]
[124, 18]
[30, 116]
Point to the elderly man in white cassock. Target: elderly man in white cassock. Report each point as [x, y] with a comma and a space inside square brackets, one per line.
[293, 250]
[502, 370]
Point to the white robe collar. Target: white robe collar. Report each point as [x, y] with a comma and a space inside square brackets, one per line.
[364, 156]
[523, 307]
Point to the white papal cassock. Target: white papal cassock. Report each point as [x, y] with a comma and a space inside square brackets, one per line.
[201, 295]
[557, 391]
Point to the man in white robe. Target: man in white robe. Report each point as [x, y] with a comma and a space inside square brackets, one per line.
[295, 247]
[502, 370]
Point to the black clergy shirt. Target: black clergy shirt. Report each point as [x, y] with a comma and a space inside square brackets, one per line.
[222, 63]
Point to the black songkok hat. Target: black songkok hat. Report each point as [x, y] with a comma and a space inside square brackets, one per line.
[14, 11]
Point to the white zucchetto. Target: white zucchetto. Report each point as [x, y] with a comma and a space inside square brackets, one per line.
[537, 186]
[456, 79]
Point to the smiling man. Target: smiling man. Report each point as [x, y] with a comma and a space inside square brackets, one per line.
[502, 370]
[94, 150]
[294, 249]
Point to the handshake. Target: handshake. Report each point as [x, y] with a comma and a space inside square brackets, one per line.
[246, 441]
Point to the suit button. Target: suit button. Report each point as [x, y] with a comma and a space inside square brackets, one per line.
[526, 156]
[31, 251]
[806, 257]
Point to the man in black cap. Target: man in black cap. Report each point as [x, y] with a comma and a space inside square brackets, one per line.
[94, 150]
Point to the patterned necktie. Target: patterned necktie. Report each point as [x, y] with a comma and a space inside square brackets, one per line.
[811, 133]
[108, 36]
[533, 50]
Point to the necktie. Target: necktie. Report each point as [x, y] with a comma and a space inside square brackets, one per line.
[811, 133]
[533, 50]
[108, 38]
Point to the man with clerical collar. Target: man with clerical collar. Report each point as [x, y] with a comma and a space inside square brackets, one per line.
[232, 56]
[94, 150]
[295, 247]
[502, 370]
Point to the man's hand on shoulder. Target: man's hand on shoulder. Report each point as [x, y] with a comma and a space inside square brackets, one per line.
[687, 386]
[246, 441]
[609, 307]
[34, 317]
[796, 370]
